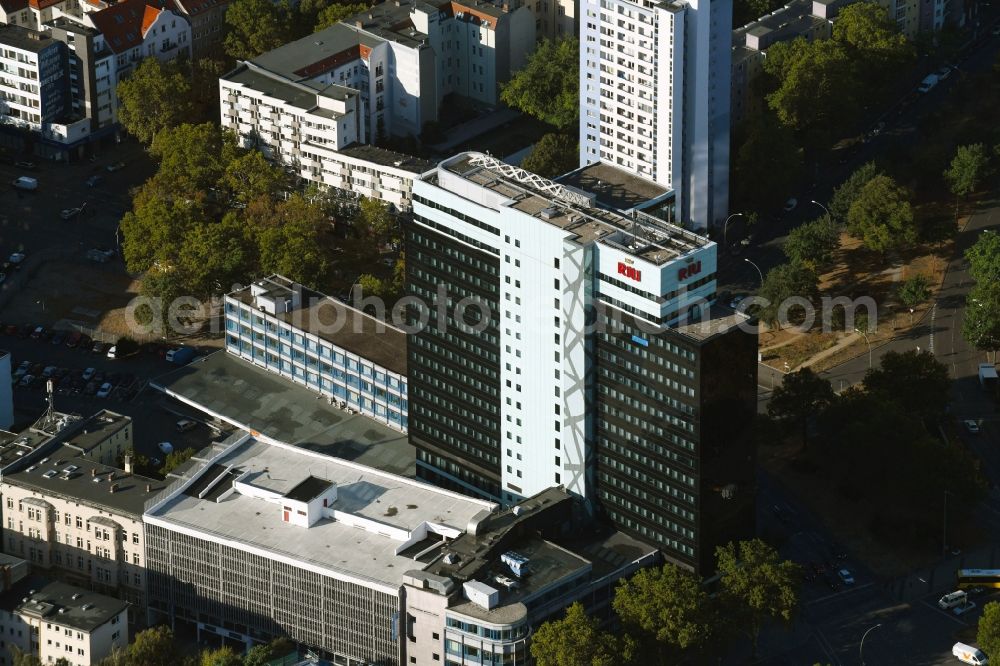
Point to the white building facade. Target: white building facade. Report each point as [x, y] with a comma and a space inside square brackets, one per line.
[654, 97]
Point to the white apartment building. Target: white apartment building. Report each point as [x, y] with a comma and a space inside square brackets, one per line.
[34, 85]
[53, 621]
[654, 97]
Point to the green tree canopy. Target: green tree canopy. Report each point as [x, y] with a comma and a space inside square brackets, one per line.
[988, 631]
[547, 87]
[669, 605]
[914, 291]
[968, 168]
[223, 656]
[553, 155]
[782, 283]
[984, 257]
[154, 97]
[255, 27]
[757, 586]
[336, 13]
[249, 176]
[191, 159]
[259, 655]
[154, 647]
[867, 28]
[881, 216]
[917, 381]
[816, 88]
[845, 195]
[801, 396]
[576, 640]
[293, 245]
[981, 325]
[767, 164]
[374, 220]
[812, 244]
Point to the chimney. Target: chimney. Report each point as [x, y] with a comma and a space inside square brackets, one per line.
[149, 487]
[93, 471]
[114, 487]
[128, 464]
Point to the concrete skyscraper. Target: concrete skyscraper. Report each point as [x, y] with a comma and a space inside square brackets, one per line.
[654, 98]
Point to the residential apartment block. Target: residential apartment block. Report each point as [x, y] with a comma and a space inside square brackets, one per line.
[654, 100]
[593, 358]
[100, 44]
[54, 621]
[340, 352]
[72, 516]
[208, 25]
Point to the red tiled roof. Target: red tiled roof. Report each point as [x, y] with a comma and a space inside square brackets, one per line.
[329, 62]
[459, 7]
[124, 24]
[42, 4]
[13, 5]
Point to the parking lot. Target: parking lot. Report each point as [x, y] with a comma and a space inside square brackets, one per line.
[78, 373]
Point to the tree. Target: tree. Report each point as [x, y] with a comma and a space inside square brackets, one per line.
[988, 631]
[813, 243]
[914, 291]
[374, 219]
[816, 94]
[749, 10]
[845, 195]
[576, 640]
[223, 656]
[867, 28]
[553, 155]
[668, 604]
[336, 13]
[967, 170]
[801, 396]
[981, 325]
[255, 27]
[763, 140]
[547, 87]
[154, 229]
[155, 96]
[881, 216]
[782, 283]
[154, 647]
[756, 586]
[917, 381]
[21, 658]
[191, 160]
[984, 257]
[292, 244]
[250, 176]
[259, 655]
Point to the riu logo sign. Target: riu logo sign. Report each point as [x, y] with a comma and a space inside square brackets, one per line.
[631, 272]
[689, 270]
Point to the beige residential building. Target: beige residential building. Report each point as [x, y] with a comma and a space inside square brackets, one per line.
[53, 620]
[78, 520]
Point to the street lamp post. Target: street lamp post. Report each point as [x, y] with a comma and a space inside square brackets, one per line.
[861, 648]
[758, 270]
[867, 342]
[825, 210]
[725, 230]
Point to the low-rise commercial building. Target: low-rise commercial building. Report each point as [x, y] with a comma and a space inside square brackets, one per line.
[322, 343]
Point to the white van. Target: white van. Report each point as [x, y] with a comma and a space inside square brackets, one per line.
[25, 183]
[953, 599]
[969, 655]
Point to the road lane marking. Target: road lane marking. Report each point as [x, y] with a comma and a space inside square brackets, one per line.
[840, 594]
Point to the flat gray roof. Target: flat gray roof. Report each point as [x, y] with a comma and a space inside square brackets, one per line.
[255, 399]
[317, 53]
[614, 187]
[25, 39]
[717, 319]
[389, 158]
[336, 322]
[55, 602]
[361, 546]
[97, 428]
[80, 486]
[300, 94]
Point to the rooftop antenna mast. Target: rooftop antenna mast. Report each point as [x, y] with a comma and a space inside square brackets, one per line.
[52, 397]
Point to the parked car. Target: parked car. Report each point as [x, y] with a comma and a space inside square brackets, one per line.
[99, 348]
[186, 424]
[117, 166]
[88, 374]
[49, 371]
[22, 369]
[105, 390]
[972, 426]
[69, 213]
[38, 332]
[790, 205]
[964, 608]
[16, 259]
[112, 351]
[73, 339]
[30, 166]
[166, 447]
[94, 181]
[846, 576]
[26, 380]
